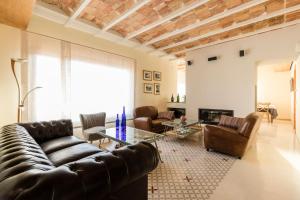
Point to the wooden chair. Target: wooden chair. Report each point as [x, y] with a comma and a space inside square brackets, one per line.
[264, 107]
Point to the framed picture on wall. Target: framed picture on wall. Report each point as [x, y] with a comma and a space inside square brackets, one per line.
[147, 75]
[148, 88]
[156, 76]
[156, 88]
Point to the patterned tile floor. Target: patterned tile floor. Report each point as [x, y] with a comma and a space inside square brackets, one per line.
[188, 171]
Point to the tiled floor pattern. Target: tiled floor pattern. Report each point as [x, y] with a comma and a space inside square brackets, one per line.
[188, 171]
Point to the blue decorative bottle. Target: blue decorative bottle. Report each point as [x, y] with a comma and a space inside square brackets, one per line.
[123, 122]
[117, 122]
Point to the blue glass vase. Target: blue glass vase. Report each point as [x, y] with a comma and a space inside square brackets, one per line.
[123, 122]
[117, 122]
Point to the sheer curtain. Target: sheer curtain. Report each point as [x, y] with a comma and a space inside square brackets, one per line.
[100, 81]
[76, 79]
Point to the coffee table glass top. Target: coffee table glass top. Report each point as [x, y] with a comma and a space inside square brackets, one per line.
[177, 122]
[130, 135]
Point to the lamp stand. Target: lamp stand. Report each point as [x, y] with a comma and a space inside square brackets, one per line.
[20, 101]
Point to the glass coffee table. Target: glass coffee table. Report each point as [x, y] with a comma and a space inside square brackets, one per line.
[183, 129]
[131, 136]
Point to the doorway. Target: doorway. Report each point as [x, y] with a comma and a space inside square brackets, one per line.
[274, 96]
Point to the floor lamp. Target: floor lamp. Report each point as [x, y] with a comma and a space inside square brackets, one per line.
[20, 101]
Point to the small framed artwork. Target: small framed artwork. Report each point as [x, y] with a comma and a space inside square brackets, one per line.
[147, 75]
[156, 88]
[156, 76]
[148, 88]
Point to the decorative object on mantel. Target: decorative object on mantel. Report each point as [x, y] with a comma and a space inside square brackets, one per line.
[147, 75]
[148, 88]
[156, 76]
[156, 88]
[172, 98]
[178, 98]
[183, 118]
[21, 102]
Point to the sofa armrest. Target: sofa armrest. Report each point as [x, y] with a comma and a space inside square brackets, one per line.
[108, 172]
[44, 131]
[144, 123]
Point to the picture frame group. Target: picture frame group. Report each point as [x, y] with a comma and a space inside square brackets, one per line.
[147, 75]
[151, 88]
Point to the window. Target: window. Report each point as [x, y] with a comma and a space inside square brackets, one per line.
[181, 82]
[97, 87]
[47, 101]
[79, 80]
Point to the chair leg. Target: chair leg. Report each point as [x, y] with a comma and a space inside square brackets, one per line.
[207, 149]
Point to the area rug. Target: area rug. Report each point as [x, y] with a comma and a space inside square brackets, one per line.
[188, 171]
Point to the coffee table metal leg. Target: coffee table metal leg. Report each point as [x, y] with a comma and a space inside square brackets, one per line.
[158, 152]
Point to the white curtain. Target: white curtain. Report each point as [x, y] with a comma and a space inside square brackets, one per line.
[76, 79]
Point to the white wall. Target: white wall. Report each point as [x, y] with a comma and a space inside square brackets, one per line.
[229, 82]
[10, 47]
[274, 87]
[298, 97]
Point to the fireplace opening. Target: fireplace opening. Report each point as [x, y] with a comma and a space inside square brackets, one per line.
[212, 116]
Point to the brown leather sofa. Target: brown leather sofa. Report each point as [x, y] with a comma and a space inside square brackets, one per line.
[45, 161]
[147, 118]
[233, 135]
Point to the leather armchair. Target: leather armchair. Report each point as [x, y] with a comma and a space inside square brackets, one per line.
[45, 161]
[233, 137]
[147, 118]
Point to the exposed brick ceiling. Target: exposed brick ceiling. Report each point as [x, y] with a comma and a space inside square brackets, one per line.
[102, 12]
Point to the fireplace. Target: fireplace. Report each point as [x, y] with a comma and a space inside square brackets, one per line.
[178, 112]
[212, 116]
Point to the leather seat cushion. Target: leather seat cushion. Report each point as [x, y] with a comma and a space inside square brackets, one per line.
[60, 143]
[72, 153]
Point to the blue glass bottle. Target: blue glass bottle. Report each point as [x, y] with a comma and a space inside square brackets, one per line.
[123, 122]
[117, 122]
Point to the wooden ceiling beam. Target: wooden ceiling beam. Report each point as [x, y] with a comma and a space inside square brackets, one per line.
[226, 13]
[235, 26]
[167, 18]
[137, 6]
[264, 30]
[16, 13]
[56, 15]
[81, 7]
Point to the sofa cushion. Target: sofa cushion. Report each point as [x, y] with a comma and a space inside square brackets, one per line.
[72, 153]
[60, 143]
[166, 115]
[231, 122]
[44, 131]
